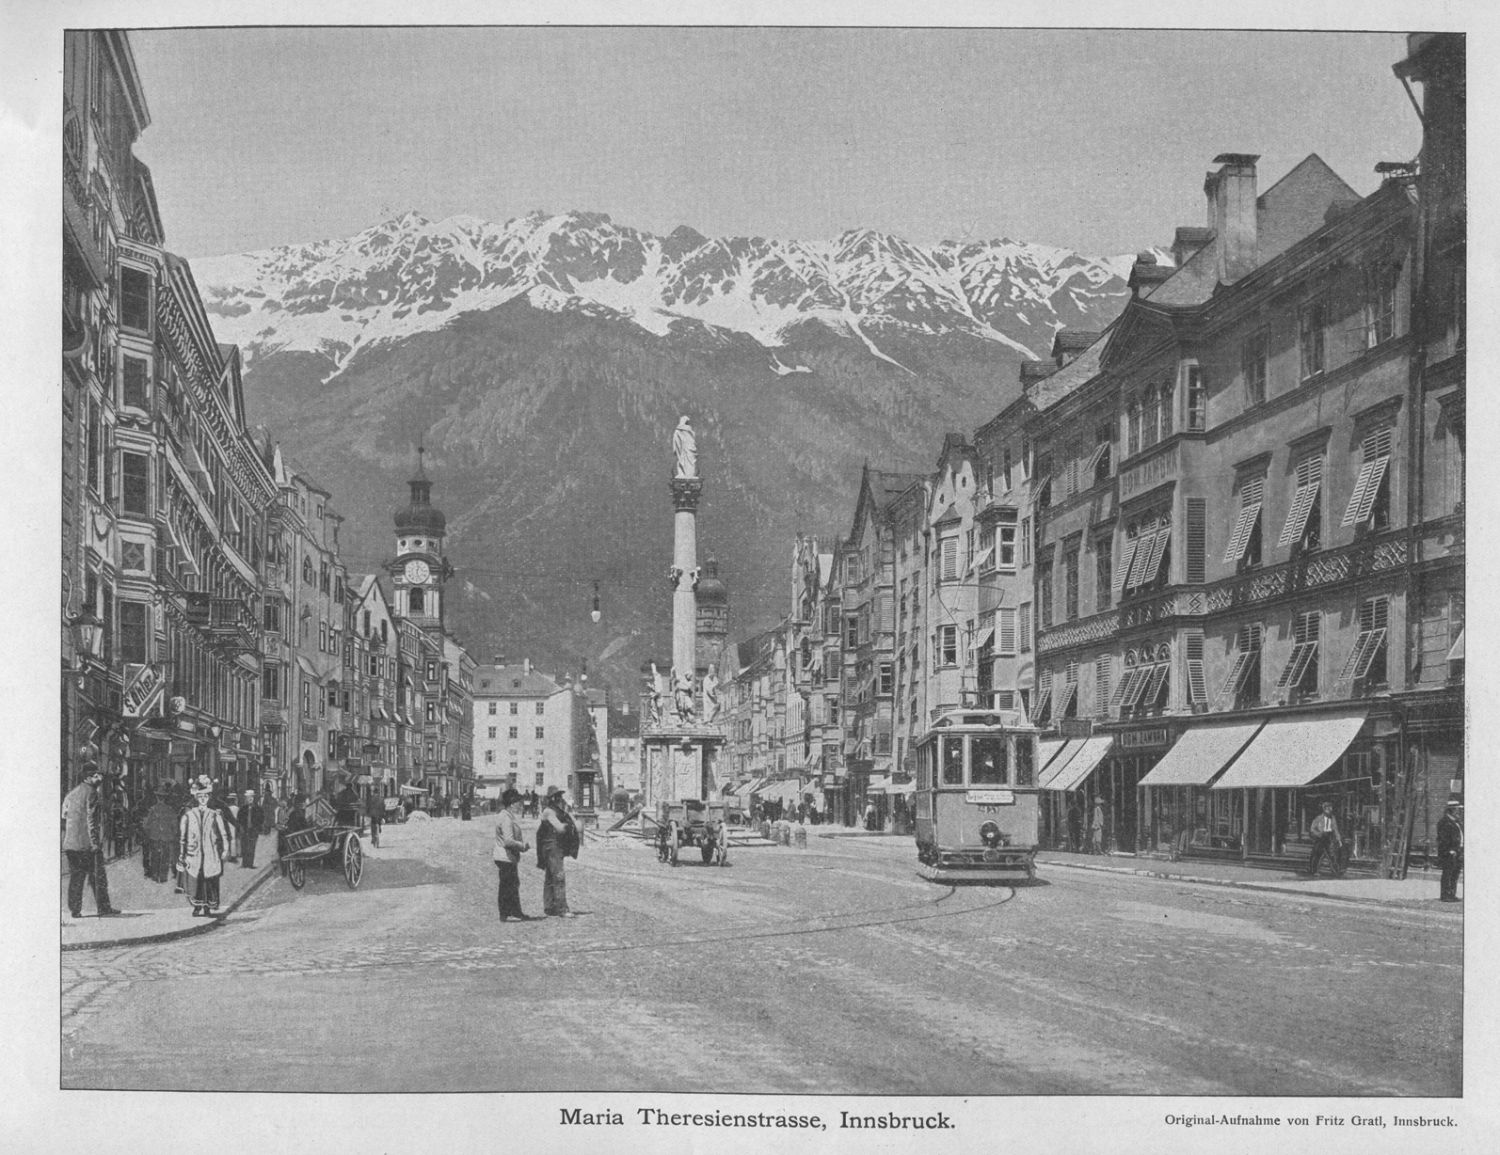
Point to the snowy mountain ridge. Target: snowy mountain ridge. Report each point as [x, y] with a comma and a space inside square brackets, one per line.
[409, 275]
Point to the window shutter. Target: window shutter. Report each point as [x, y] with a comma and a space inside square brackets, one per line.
[1195, 519]
[1102, 671]
[1309, 479]
[1122, 569]
[1252, 494]
[1376, 458]
[1006, 619]
[950, 558]
[1158, 551]
[1197, 682]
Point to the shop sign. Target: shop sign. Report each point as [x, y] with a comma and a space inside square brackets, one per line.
[144, 685]
[1137, 739]
[991, 797]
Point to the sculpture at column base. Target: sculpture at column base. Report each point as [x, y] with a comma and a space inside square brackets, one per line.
[682, 691]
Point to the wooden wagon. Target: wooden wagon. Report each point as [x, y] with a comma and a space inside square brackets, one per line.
[327, 842]
[691, 822]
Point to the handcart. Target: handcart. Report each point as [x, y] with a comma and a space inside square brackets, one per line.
[692, 822]
[326, 842]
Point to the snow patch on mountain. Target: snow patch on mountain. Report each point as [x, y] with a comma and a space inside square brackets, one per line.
[409, 275]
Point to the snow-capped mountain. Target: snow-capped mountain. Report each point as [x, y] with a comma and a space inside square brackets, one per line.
[410, 275]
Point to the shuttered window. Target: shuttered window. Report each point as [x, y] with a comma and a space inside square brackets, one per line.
[1301, 670]
[1024, 627]
[1043, 697]
[1103, 573]
[1197, 683]
[1245, 665]
[1127, 558]
[1155, 686]
[949, 559]
[1005, 619]
[1196, 528]
[1374, 618]
[1309, 479]
[1102, 672]
[1066, 691]
[1375, 459]
[1252, 496]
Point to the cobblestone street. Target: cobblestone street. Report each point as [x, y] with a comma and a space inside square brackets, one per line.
[832, 969]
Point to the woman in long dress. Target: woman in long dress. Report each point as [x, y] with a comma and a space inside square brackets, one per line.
[202, 845]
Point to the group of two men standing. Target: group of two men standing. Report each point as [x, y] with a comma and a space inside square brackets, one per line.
[557, 839]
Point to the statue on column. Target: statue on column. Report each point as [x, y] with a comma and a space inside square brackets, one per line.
[658, 692]
[682, 689]
[711, 694]
[685, 449]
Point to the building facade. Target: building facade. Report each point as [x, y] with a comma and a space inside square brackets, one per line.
[532, 731]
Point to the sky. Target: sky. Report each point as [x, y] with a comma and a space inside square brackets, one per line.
[1094, 140]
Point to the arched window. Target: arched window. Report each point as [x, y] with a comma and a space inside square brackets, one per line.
[417, 600]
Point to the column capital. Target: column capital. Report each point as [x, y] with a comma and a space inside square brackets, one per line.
[686, 492]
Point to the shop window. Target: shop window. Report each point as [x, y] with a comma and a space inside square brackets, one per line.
[1370, 503]
[1367, 662]
[1312, 337]
[1299, 677]
[1242, 686]
[1304, 519]
[1255, 359]
[1244, 549]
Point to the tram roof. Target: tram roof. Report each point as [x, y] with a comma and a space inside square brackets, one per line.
[980, 719]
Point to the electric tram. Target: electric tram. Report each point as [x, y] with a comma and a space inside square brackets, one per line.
[976, 798]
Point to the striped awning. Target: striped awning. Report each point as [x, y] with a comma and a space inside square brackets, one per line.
[1200, 754]
[1293, 751]
[1083, 762]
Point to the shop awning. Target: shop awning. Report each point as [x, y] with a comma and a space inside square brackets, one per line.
[1053, 754]
[1456, 654]
[1200, 754]
[1293, 751]
[1091, 751]
[309, 669]
[413, 789]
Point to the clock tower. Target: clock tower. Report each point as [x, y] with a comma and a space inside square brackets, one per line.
[419, 569]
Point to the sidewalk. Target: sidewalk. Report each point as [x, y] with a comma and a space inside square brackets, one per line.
[1418, 889]
[152, 911]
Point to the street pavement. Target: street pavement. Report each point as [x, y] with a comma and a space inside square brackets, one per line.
[829, 969]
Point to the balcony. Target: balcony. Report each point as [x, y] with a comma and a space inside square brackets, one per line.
[229, 623]
[1315, 571]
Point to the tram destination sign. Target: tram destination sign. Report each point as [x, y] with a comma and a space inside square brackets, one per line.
[991, 797]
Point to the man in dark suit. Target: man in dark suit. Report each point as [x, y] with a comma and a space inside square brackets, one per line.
[1450, 851]
[250, 819]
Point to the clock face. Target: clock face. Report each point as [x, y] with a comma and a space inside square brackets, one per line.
[417, 572]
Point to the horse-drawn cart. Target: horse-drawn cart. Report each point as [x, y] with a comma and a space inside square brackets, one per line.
[691, 822]
[325, 841]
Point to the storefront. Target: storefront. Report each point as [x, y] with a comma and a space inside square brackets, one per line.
[1068, 783]
[1177, 808]
[1264, 803]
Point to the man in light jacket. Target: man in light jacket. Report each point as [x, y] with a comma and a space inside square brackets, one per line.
[510, 844]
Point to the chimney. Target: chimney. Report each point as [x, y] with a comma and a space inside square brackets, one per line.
[1231, 213]
[1186, 243]
[1034, 371]
[525, 665]
[1146, 274]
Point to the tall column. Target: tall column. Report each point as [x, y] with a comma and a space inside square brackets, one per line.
[686, 492]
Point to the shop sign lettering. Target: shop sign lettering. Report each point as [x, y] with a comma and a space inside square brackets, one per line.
[1135, 739]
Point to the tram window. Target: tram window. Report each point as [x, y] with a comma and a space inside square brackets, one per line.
[953, 761]
[1025, 759]
[988, 761]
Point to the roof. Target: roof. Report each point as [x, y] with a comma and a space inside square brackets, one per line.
[513, 682]
[1050, 390]
[1292, 208]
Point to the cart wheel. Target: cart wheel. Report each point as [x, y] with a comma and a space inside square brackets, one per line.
[661, 845]
[354, 861]
[296, 874]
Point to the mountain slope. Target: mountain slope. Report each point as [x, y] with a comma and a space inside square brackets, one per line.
[544, 362]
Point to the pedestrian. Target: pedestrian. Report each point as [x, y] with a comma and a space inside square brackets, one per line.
[202, 845]
[375, 812]
[556, 840]
[1326, 840]
[1096, 828]
[251, 817]
[346, 805]
[465, 808]
[83, 842]
[510, 844]
[159, 831]
[1075, 826]
[1450, 850]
